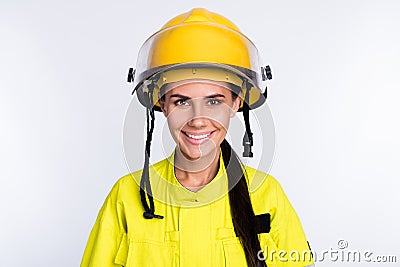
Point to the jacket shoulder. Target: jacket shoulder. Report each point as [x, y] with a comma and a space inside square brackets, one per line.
[259, 180]
[265, 191]
[130, 182]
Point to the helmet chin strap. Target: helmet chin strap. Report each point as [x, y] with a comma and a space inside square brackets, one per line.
[145, 187]
[248, 135]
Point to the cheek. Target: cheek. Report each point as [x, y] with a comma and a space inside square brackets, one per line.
[222, 119]
[177, 119]
[174, 123]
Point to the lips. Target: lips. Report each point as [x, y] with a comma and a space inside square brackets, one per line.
[197, 138]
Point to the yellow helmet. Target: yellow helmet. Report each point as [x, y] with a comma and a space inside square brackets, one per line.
[198, 44]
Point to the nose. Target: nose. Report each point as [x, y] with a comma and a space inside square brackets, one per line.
[198, 120]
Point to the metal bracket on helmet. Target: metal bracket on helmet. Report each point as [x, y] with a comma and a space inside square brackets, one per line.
[131, 75]
[266, 73]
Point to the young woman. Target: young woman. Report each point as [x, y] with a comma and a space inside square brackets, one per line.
[197, 207]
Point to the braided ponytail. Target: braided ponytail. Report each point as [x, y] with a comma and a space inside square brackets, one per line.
[243, 216]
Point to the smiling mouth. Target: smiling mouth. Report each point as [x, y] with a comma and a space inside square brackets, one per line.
[198, 137]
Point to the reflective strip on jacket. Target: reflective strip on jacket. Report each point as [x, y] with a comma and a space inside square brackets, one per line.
[197, 228]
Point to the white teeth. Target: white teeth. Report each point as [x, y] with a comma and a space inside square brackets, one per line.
[197, 137]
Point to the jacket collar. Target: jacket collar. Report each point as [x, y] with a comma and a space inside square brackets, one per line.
[168, 189]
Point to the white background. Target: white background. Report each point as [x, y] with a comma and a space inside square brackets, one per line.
[63, 98]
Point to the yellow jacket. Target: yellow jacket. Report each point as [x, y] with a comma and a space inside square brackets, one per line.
[197, 228]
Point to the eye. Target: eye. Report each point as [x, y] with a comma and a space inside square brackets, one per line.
[213, 101]
[181, 102]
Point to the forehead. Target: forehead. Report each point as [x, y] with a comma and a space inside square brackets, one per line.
[198, 89]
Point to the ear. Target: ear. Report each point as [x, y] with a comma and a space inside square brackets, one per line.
[163, 106]
[235, 106]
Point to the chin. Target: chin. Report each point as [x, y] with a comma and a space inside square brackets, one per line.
[199, 151]
[191, 155]
[196, 149]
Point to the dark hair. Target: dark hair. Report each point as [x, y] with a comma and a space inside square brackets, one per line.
[243, 217]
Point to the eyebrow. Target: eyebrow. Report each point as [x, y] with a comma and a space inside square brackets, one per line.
[186, 97]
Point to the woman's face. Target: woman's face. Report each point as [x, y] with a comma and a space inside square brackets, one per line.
[198, 115]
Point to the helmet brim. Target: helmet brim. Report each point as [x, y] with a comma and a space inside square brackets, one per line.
[238, 80]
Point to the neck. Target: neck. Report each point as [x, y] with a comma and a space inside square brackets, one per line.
[195, 174]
